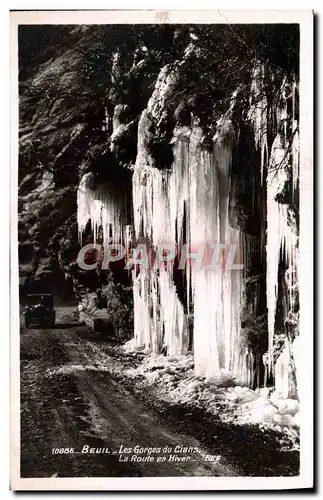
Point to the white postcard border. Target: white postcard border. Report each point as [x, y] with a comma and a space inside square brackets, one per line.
[305, 479]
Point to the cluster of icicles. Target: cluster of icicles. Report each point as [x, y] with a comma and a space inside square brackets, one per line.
[282, 239]
[190, 203]
[104, 206]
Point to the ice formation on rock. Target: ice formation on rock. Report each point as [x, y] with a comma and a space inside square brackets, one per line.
[189, 204]
[104, 205]
[282, 173]
[281, 233]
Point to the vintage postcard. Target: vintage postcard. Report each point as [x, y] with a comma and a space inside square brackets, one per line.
[161, 250]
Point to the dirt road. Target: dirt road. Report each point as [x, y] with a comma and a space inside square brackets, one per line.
[77, 421]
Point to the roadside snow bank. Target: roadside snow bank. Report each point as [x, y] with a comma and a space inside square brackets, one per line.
[175, 382]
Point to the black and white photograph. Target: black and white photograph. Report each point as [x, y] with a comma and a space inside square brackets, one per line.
[162, 301]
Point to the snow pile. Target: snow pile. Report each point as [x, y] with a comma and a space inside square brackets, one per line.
[269, 412]
[175, 382]
[89, 314]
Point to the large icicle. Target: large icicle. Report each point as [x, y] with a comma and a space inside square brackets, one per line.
[258, 113]
[159, 315]
[217, 293]
[193, 194]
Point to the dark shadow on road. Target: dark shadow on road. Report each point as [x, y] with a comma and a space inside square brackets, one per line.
[62, 326]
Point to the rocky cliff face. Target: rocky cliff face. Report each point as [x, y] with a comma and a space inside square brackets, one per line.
[182, 136]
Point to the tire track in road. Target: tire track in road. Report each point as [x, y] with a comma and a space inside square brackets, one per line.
[115, 415]
[69, 400]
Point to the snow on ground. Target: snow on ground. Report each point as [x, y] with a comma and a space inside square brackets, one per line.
[175, 382]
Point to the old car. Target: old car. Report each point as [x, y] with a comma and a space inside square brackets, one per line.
[40, 310]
